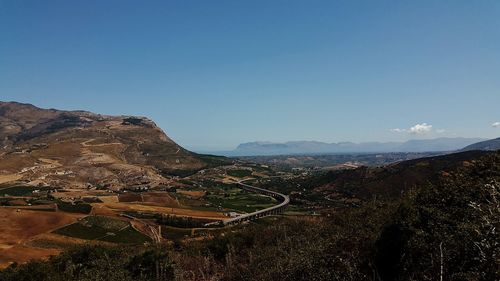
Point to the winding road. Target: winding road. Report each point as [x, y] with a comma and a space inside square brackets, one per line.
[274, 210]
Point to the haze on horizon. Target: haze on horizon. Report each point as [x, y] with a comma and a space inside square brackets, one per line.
[214, 74]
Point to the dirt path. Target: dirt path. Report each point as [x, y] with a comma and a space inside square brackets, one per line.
[86, 143]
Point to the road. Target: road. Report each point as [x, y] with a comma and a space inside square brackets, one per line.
[277, 209]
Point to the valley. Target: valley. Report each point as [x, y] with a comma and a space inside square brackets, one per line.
[78, 183]
[189, 208]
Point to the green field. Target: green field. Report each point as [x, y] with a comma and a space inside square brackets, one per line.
[104, 229]
[229, 197]
[226, 196]
[128, 235]
[174, 233]
[82, 208]
[241, 201]
[17, 191]
[81, 231]
[239, 173]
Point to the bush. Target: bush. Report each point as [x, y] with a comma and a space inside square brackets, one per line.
[446, 229]
[82, 208]
[88, 263]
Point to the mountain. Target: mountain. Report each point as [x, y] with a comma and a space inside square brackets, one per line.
[493, 144]
[314, 147]
[80, 149]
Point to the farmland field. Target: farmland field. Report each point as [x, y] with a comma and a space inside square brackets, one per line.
[17, 191]
[231, 197]
[239, 173]
[153, 198]
[123, 207]
[19, 227]
[36, 226]
[104, 229]
[9, 178]
[82, 208]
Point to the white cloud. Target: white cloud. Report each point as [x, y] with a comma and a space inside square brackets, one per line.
[440, 131]
[420, 129]
[417, 129]
[496, 125]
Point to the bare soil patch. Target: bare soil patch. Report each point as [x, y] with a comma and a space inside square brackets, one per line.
[192, 193]
[150, 198]
[163, 210]
[160, 198]
[20, 226]
[23, 254]
[9, 178]
[129, 197]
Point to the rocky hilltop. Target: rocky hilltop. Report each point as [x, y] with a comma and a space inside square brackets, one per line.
[81, 149]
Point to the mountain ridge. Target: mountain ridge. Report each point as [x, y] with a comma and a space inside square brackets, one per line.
[489, 145]
[315, 147]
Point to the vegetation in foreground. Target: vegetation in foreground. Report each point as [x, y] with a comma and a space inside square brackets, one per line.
[445, 229]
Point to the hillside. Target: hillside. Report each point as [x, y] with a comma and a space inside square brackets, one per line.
[81, 149]
[392, 181]
[493, 144]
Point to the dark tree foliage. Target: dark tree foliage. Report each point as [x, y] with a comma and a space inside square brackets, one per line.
[178, 221]
[448, 229]
[339, 248]
[132, 121]
[93, 263]
[151, 265]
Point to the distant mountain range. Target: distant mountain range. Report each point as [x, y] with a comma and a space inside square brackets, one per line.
[315, 147]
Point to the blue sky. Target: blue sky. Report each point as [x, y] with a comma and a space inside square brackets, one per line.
[214, 73]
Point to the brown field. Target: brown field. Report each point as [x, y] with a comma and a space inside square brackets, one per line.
[51, 240]
[22, 254]
[66, 152]
[192, 193]
[129, 197]
[18, 228]
[153, 198]
[158, 209]
[109, 199]
[13, 163]
[17, 202]
[103, 210]
[80, 193]
[162, 198]
[46, 208]
[229, 180]
[113, 149]
[9, 178]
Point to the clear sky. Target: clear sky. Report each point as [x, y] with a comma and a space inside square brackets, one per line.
[215, 73]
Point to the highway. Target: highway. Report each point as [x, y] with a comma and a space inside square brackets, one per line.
[274, 210]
